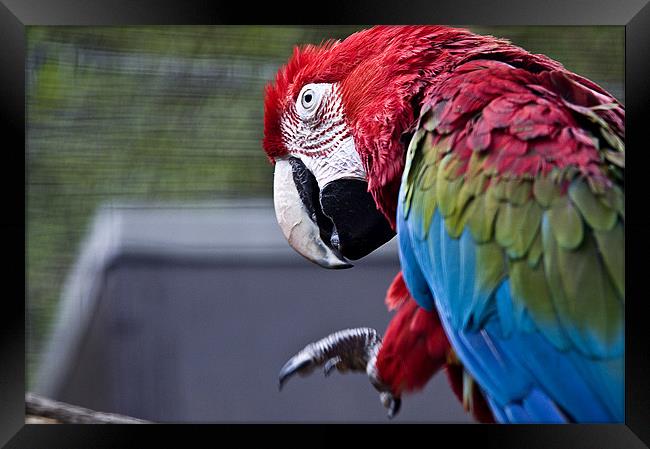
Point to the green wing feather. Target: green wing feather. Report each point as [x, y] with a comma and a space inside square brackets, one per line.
[559, 238]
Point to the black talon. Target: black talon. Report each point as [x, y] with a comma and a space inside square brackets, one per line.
[392, 403]
[290, 368]
[394, 407]
[330, 365]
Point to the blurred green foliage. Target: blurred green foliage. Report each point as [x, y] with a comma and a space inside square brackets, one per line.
[175, 113]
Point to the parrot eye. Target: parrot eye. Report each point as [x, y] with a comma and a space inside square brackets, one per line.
[308, 99]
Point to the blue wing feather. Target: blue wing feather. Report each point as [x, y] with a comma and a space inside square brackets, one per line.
[525, 377]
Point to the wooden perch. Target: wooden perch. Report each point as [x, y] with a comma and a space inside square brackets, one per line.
[44, 410]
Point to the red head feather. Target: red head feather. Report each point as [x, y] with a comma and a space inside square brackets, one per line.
[380, 71]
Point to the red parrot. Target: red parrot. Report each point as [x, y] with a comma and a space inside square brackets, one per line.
[502, 174]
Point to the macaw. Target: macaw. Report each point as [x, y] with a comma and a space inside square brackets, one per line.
[502, 174]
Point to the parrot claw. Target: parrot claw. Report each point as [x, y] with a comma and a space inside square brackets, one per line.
[302, 366]
[392, 403]
[347, 350]
[330, 365]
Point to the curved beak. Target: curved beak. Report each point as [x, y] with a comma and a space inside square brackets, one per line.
[328, 226]
[298, 214]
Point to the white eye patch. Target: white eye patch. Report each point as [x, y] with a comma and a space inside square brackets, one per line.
[316, 132]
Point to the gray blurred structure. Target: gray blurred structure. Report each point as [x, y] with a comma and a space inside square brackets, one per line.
[186, 314]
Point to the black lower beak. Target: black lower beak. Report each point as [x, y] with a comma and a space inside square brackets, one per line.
[345, 215]
[359, 227]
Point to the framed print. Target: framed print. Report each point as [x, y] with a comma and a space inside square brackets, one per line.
[178, 167]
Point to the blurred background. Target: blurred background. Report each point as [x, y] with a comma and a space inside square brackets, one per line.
[149, 138]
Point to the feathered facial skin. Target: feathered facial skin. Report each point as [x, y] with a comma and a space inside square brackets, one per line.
[337, 120]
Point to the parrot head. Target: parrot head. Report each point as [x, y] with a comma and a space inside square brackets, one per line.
[337, 119]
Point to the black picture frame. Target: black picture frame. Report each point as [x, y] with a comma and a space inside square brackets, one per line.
[15, 15]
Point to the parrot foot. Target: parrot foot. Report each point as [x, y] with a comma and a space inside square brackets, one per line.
[352, 350]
